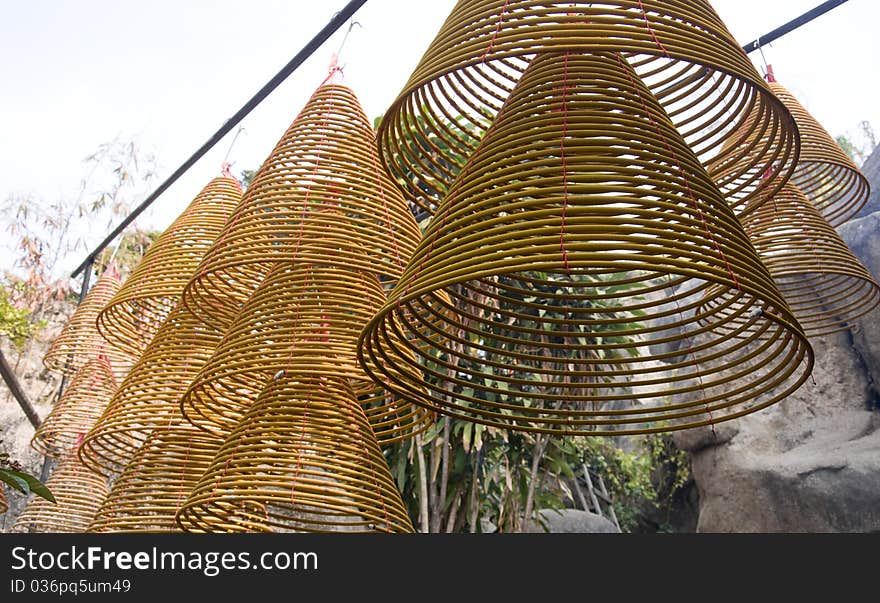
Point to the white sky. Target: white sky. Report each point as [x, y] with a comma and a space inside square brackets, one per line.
[79, 73]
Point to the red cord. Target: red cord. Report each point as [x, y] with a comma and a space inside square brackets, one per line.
[491, 46]
[564, 164]
[651, 31]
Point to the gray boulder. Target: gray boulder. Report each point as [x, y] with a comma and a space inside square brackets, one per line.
[810, 463]
[871, 170]
[570, 521]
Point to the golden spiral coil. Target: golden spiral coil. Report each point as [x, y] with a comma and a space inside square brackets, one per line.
[680, 48]
[78, 493]
[579, 244]
[825, 174]
[79, 340]
[130, 320]
[152, 487]
[321, 196]
[76, 412]
[149, 398]
[825, 285]
[298, 311]
[303, 459]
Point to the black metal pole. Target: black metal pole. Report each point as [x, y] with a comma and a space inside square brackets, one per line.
[335, 23]
[17, 391]
[792, 25]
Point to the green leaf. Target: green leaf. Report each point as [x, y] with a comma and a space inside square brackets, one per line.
[32, 484]
[8, 476]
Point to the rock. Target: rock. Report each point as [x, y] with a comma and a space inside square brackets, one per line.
[810, 463]
[871, 170]
[862, 237]
[570, 521]
[695, 439]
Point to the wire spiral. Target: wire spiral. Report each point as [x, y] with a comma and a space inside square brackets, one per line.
[79, 340]
[680, 48]
[130, 320]
[579, 244]
[321, 196]
[825, 285]
[78, 492]
[298, 311]
[76, 412]
[152, 487]
[825, 174]
[303, 459]
[149, 398]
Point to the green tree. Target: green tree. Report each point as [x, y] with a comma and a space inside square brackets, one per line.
[860, 146]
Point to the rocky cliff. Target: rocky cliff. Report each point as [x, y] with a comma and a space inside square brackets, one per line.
[812, 462]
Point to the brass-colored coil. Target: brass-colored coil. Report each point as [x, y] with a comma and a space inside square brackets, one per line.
[82, 402]
[78, 493]
[79, 340]
[4, 506]
[825, 174]
[579, 243]
[321, 196]
[299, 310]
[150, 490]
[303, 459]
[149, 398]
[130, 320]
[680, 48]
[825, 285]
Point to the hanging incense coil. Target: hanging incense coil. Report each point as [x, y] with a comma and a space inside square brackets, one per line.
[4, 506]
[130, 320]
[151, 489]
[825, 285]
[825, 174]
[82, 402]
[149, 398]
[303, 459]
[321, 196]
[78, 493]
[580, 209]
[79, 340]
[299, 311]
[681, 49]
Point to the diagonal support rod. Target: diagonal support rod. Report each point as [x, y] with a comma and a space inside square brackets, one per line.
[792, 25]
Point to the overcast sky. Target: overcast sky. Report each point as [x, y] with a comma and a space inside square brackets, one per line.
[79, 73]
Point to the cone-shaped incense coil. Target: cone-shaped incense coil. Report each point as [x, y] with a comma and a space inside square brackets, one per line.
[4, 506]
[303, 459]
[825, 173]
[149, 398]
[825, 285]
[131, 318]
[299, 311]
[78, 493]
[321, 196]
[682, 49]
[151, 489]
[82, 402]
[580, 209]
[80, 341]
